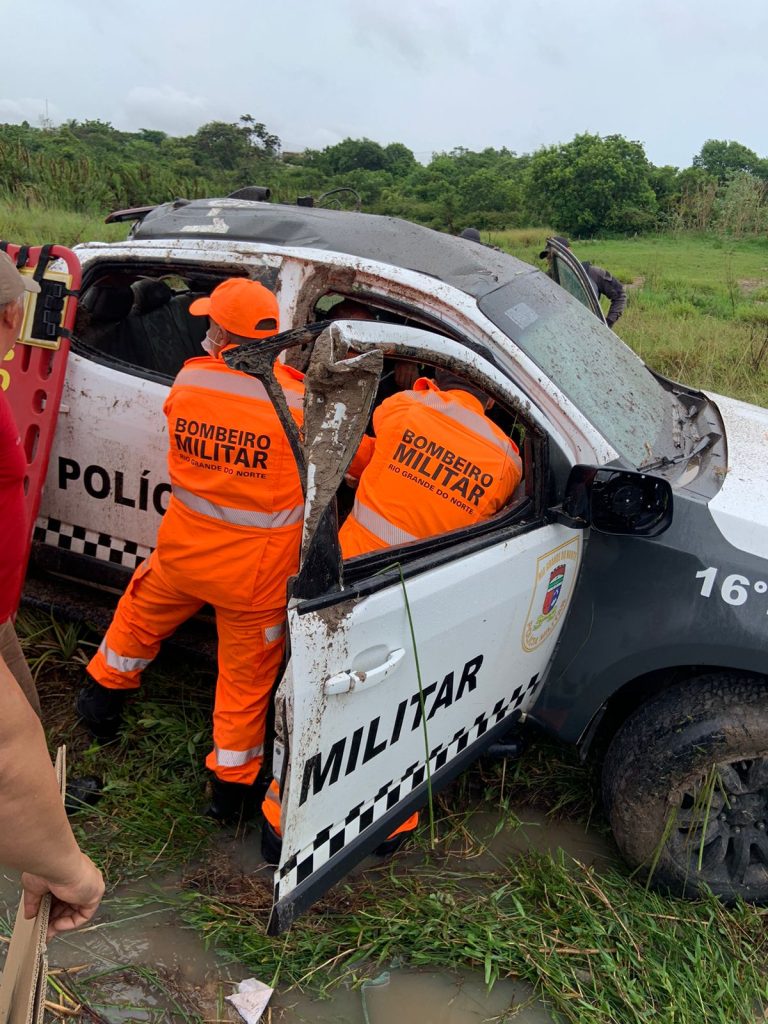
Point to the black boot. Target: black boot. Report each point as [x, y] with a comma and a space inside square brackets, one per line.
[389, 846]
[101, 710]
[81, 793]
[231, 802]
[271, 844]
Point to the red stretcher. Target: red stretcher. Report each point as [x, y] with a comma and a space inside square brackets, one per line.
[32, 374]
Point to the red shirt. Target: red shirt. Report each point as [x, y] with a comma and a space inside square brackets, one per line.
[14, 548]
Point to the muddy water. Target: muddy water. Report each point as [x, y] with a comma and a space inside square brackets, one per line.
[152, 969]
[536, 832]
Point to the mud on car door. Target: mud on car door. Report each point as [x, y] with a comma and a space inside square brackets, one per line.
[405, 663]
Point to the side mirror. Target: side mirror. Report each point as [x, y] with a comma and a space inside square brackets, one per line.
[618, 501]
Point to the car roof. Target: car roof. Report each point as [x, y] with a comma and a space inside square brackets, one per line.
[474, 268]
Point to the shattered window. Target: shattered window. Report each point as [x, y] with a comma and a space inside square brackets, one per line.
[603, 378]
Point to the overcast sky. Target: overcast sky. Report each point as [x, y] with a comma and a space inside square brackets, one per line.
[434, 74]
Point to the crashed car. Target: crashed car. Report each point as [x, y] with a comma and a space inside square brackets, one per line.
[619, 602]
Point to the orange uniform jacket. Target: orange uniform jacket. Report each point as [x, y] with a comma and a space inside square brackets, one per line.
[437, 464]
[233, 525]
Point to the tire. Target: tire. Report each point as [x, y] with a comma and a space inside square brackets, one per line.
[685, 786]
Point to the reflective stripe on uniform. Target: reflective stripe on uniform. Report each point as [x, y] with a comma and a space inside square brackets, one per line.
[119, 662]
[236, 758]
[473, 421]
[379, 526]
[273, 633]
[233, 384]
[238, 516]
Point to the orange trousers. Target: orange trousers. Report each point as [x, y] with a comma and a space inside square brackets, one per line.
[271, 808]
[251, 645]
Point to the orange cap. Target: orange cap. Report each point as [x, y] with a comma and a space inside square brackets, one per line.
[241, 306]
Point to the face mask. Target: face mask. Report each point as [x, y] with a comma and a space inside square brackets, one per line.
[211, 343]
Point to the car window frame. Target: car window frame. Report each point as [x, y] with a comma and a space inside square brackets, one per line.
[563, 257]
[97, 269]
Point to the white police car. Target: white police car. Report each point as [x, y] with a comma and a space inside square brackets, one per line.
[620, 601]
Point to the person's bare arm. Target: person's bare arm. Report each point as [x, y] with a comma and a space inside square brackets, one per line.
[35, 836]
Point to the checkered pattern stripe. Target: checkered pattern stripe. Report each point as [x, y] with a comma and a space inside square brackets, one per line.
[335, 837]
[85, 542]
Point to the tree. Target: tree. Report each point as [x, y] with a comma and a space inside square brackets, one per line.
[219, 145]
[665, 182]
[742, 208]
[398, 159]
[592, 184]
[724, 159]
[258, 136]
[152, 136]
[228, 146]
[351, 155]
[485, 192]
[695, 205]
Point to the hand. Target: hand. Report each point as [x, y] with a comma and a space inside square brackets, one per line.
[406, 374]
[74, 902]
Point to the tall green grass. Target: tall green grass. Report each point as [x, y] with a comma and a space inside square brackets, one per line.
[37, 225]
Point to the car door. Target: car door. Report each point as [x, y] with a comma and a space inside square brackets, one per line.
[570, 274]
[107, 485]
[410, 661]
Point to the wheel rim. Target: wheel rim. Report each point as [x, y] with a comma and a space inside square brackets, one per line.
[720, 829]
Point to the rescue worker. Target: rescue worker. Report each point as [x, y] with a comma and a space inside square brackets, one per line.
[603, 283]
[437, 463]
[230, 538]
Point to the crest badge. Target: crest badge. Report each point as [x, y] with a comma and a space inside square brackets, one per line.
[555, 575]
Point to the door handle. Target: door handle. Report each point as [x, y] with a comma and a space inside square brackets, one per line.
[356, 680]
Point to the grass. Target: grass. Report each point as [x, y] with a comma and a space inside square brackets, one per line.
[154, 778]
[596, 947]
[37, 225]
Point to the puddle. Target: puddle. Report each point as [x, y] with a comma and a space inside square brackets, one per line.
[414, 997]
[538, 832]
[147, 967]
[142, 967]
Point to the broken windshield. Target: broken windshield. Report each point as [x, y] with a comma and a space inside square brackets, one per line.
[603, 378]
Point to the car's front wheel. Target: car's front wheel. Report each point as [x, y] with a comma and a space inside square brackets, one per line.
[685, 785]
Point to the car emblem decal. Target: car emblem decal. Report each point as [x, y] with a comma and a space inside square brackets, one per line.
[555, 575]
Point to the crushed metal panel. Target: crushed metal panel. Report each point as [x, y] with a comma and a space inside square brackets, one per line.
[339, 396]
[338, 401]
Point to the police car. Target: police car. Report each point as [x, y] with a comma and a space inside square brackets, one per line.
[619, 602]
